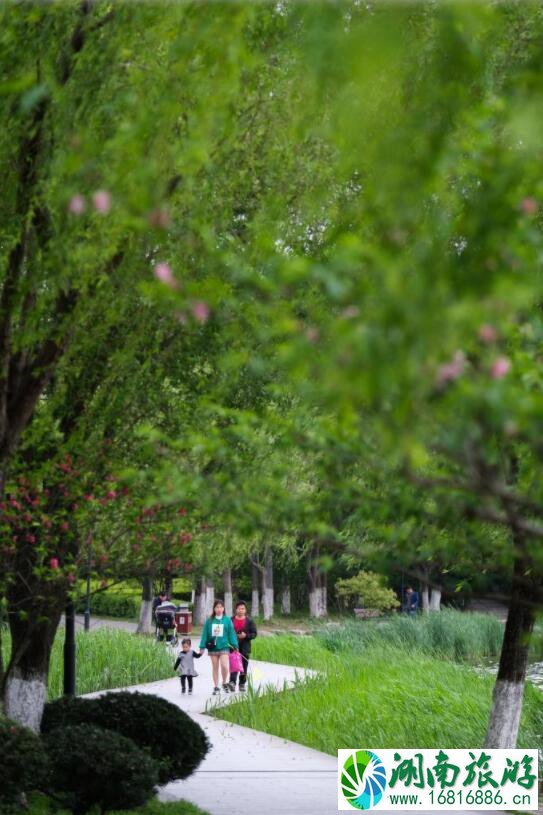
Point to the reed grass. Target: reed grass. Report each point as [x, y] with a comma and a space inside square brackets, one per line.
[389, 698]
[459, 636]
[108, 658]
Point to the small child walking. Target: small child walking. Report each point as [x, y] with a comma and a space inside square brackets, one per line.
[185, 663]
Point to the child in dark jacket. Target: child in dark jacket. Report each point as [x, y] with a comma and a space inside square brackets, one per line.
[185, 663]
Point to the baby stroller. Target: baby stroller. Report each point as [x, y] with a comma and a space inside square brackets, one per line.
[165, 623]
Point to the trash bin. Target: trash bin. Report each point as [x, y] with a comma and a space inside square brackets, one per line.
[183, 620]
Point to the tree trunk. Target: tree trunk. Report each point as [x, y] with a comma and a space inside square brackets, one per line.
[435, 599]
[145, 622]
[285, 599]
[228, 601]
[25, 685]
[267, 584]
[317, 589]
[255, 595]
[425, 596]
[508, 691]
[168, 586]
[209, 597]
[200, 602]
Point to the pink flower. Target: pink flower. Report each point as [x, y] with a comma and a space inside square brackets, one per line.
[163, 272]
[65, 526]
[30, 539]
[500, 368]
[71, 578]
[451, 371]
[200, 311]
[111, 495]
[53, 563]
[89, 497]
[487, 333]
[77, 205]
[529, 206]
[101, 200]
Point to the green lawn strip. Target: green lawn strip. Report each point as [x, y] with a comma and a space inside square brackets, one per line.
[291, 649]
[43, 805]
[387, 698]
[108, 658]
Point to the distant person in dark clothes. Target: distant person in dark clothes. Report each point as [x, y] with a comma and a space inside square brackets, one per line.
[411, 602]
[185, 663]
[245, 631]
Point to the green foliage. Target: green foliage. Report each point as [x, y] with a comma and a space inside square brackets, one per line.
[43, 805]
[109, 604]
[176, 743]
[23, 762]
[93, 766]
[368, 590]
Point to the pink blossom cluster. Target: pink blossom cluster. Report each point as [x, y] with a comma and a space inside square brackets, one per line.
[452, 370]
[100, 199]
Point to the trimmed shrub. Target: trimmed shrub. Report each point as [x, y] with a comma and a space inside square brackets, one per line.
[93, 766]
[111, 605]
[367, 588]
[173, 739]
[23, 762]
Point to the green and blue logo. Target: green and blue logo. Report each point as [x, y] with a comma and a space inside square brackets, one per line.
[363, 779]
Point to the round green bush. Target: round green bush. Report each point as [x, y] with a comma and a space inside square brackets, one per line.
[173, 739]
[91, 766]
[23, 762]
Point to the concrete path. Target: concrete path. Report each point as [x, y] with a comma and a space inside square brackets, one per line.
[105, 622]
[249, 771]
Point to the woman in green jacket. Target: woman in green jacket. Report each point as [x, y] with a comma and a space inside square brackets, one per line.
[218, 636]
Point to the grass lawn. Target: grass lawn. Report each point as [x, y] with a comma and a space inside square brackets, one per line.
[42, 805]
[382, 691]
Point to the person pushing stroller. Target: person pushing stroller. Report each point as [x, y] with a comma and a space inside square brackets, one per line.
[165, 621]
[185, 664]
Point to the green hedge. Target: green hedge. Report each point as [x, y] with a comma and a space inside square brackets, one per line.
[108, 604]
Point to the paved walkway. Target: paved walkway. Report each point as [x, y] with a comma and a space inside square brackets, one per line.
[249, 771]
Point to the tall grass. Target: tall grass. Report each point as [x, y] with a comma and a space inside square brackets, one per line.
[387, 698]
[393, 683]
[108, 658]
[451, 634]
